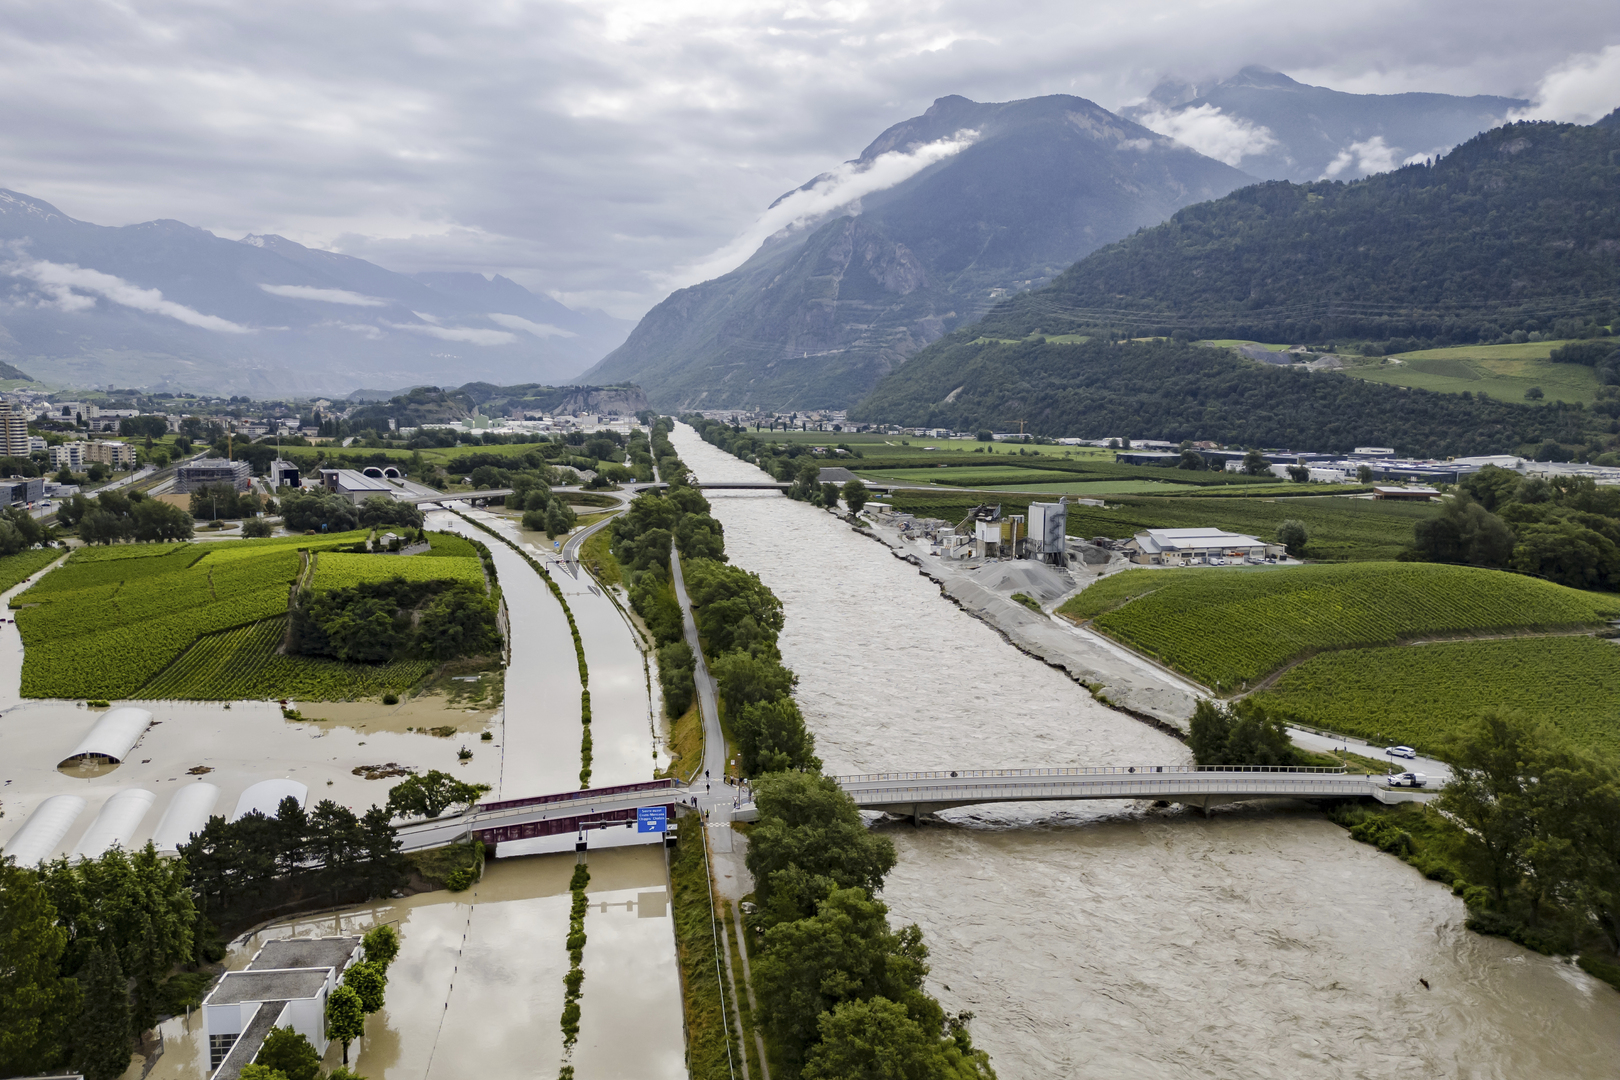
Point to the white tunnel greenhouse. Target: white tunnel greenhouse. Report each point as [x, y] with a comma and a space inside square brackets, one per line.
[113, 737]
[185, 816]
[41, 835]
[120, 816]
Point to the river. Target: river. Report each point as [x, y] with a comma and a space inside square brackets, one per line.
[1093, 938]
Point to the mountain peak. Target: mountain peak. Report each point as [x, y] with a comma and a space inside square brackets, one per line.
[16, 203]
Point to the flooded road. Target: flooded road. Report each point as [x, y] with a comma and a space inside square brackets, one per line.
[1097, 938]
[542, 682]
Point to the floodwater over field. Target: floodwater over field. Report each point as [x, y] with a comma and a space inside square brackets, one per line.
[477, 989]
[1092, 939]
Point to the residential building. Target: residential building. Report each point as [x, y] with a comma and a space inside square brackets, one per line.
[286, 984]
[13, 429]
[119, 455]
[1183, 547]
[198, 474]
[68, 456]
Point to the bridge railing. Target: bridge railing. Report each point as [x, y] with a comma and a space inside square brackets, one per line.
[1097, 770]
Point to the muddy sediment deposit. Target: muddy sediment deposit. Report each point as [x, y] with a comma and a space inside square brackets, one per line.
[1100, 938]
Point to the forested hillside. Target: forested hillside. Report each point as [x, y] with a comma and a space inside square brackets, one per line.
[1517, 230]
[1172, 390]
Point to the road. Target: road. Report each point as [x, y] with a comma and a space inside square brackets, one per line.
[714, 738]
[1438, 772]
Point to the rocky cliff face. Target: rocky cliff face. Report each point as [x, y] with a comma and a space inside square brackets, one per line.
[817, 318]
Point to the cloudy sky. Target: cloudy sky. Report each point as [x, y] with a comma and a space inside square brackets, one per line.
[604, 151]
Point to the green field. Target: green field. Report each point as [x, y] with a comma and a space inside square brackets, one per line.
[14, 569]
[1227, 628]
[1503, 372]
[241, 664]
[1341, 530]
[1421, 694]
[111, 620]
[342, 570]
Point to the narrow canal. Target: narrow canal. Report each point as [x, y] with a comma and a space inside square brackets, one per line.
[1098, 939]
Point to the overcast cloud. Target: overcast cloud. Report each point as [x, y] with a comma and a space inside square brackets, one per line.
[601, 151]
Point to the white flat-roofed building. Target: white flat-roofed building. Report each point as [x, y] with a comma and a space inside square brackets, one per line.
[355, 485]
[1183, 547]
[286, 984]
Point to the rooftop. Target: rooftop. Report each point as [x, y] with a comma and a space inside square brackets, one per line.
[239, 986]
[304, 953]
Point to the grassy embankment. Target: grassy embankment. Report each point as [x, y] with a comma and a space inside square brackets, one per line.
[1230, 629]
[1341, 530]
[200, 622]
[710, 1045]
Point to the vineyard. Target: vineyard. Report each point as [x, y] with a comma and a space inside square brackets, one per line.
[1421, 694]
[1226, 628]
[16, 568]
[243, 663]
[108, 621]
[340, 570]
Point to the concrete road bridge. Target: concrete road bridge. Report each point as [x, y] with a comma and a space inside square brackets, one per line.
[573, 817]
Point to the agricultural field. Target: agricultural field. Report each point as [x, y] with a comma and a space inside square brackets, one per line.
[1341, 529]
[341, 570]
[1421, 694]
[240, 664]
[1228, 628]
[15, 569]
[110, 619]
[1503, 372]
[449, 545]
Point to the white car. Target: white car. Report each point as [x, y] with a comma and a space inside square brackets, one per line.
[1409, 779]
[1400, 751]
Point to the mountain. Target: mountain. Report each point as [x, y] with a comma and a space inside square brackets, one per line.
[816, 317]
[163, 305]
[1269, 125]
[1516, 230]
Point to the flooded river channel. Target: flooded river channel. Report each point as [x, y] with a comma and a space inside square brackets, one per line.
[1091, 939]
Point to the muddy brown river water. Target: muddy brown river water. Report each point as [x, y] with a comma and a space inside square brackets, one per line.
[1106, 939]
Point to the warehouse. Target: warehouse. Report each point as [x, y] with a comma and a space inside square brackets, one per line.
[355, 486]
[1205, 546]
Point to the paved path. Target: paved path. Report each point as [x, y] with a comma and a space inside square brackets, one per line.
[714, 739]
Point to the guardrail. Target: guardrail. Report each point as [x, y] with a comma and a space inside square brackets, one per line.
[1100, 770]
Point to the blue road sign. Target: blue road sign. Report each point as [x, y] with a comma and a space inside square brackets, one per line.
[652, 819]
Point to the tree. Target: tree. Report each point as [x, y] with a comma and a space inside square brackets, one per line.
[254, 1071]
[1364, 474]
[380, 510]
[855, 495]
[1463, 532]
[1193, 460]
[829, 495]
[256, 528]
[772, 737]
[844, 952]
[1299, 474]
[675, 667]
[36, 1003]
[745, 678]
[1255, 464]
[872, 1040]
[432, 794]
[1291, 534]
[1534, 394]
[808, 841]
[985, 435]
[1239, 735]
[1489, 765]
[381, 944]
[287, 1052]
[370, 981]
[345, 1017]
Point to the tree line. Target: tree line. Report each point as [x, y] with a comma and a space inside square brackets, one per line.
[1562, 528]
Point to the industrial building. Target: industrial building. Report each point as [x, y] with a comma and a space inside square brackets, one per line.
[286, 984]
[205, 471]
[1186, 547]
[356, 486]
[22, 490]
[1048, 532]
